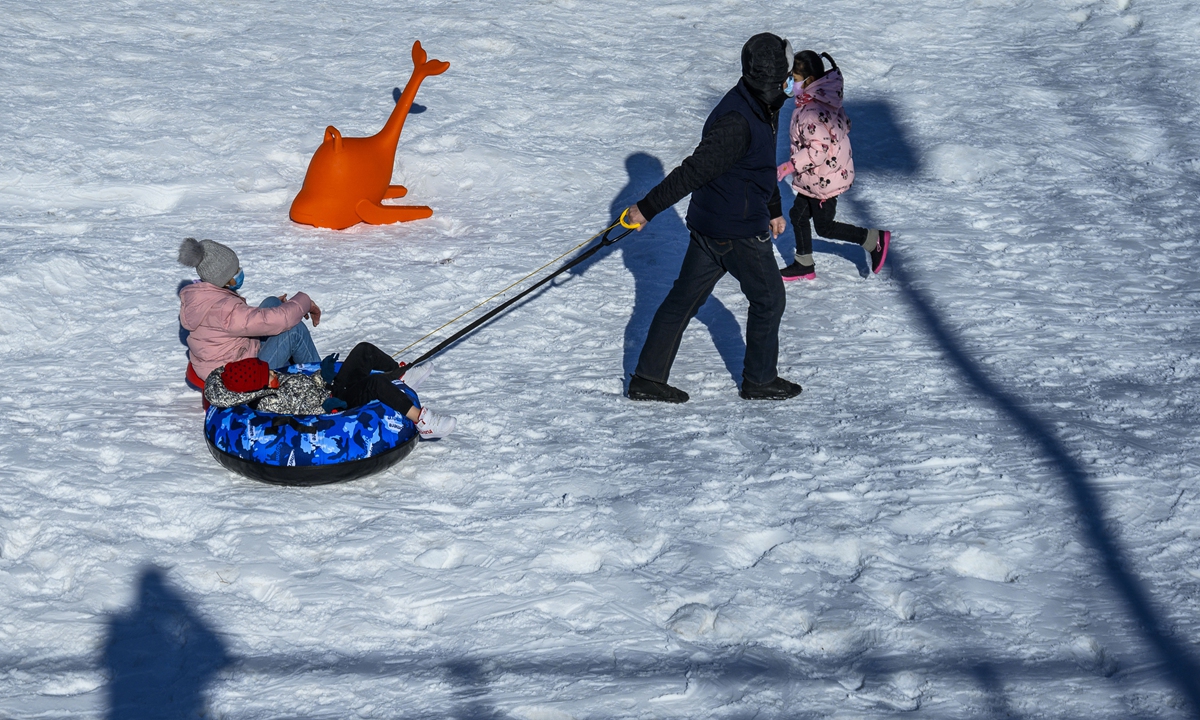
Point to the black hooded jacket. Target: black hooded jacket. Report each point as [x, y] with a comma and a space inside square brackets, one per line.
[727, 141]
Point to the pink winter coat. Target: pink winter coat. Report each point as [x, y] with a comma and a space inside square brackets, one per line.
[822, 165]
[224, 328]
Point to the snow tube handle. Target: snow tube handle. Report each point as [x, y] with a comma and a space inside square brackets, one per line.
[293, 423]
[606, 240]
[629, 227]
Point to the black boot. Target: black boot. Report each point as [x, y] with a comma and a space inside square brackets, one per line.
[642, 389]
[796, 271]
[777, 389]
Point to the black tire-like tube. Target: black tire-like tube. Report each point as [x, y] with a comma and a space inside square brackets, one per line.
[309, 475]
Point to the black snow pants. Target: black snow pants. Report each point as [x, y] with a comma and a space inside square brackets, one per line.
[752, 263]
[821, 214]
[356, 385]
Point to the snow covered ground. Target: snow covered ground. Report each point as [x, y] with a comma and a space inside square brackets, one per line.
[983, 505]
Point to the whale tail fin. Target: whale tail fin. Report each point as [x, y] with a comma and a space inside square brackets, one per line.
[423, 67]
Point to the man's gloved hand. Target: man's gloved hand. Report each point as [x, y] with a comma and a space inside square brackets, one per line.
[327, 371]
[333, 405]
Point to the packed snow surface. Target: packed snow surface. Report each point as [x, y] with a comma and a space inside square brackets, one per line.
[984, 504]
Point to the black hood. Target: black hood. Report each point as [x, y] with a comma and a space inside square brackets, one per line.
[765, 61]
[765, 65]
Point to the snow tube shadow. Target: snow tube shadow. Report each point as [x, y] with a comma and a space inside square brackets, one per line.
[305, 450]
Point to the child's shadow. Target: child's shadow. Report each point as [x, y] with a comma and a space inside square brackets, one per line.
[654, 256]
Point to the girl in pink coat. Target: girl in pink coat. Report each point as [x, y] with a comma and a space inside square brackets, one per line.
[223, 328]
[822, 166]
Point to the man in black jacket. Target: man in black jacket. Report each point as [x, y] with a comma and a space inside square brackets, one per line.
[734, 212]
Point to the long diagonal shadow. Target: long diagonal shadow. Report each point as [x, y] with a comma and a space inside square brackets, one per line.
[888, 152]
[1178, 661]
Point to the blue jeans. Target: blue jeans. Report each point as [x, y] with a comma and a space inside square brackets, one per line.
[751, 263]
[293, 345]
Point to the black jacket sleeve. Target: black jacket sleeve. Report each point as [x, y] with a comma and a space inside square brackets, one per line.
[726, 142]
[775, 204]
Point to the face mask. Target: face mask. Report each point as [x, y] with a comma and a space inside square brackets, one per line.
[236, 282]
[776, 100]
[789, 86]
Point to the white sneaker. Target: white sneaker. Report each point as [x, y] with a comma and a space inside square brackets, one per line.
[432, 426]
[413, 377]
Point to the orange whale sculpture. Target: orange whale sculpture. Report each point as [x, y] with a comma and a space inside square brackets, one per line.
[348, 177]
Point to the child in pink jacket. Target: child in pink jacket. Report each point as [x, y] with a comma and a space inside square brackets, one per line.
[822, 166]
[222, 328]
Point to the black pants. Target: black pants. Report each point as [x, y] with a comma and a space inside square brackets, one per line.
[355, 384]
[821, 214]
[752, 263]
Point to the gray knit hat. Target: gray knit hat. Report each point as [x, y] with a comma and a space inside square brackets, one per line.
[216, 263]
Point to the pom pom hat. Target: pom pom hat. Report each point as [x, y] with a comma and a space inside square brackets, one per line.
[216, 263]
[246, 375]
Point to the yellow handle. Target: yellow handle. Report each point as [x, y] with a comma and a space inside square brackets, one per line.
[628, 226]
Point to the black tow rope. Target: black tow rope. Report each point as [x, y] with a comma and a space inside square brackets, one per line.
[605, 241]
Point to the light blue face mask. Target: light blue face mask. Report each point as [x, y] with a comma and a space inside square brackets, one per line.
[236, 282]
[789, 86]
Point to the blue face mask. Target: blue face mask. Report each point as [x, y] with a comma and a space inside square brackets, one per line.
[789, 86]
[236, 283]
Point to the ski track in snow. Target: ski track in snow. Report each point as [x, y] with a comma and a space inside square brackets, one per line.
[890, 542]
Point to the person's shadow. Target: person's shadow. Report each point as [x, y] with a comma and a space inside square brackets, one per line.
[654, 256]
[160, 656]
[469, 679]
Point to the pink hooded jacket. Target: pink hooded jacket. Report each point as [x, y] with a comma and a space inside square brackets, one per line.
[223, 328]
[822, 163]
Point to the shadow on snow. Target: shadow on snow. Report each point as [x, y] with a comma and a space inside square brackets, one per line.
[882, 149]
[653, 257]
[160, 656]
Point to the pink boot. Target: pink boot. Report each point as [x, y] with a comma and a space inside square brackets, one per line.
[879, 254]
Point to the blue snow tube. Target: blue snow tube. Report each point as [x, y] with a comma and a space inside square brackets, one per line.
[310, 449]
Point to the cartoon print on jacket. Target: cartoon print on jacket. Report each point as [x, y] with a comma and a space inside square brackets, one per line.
[820, 140]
